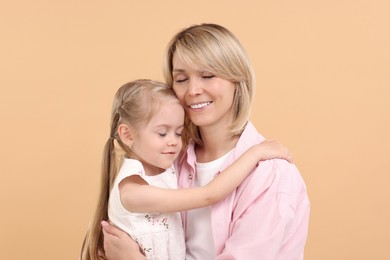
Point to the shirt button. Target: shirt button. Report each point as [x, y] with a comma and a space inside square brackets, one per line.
[190, 177]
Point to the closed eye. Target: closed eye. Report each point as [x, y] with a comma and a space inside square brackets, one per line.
[180, 80]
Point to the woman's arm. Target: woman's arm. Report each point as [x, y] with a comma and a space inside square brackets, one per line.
[138, 196]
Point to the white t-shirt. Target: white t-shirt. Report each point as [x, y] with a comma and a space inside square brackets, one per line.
[199, 236]
[160, 235]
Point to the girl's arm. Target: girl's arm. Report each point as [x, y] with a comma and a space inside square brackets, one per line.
[138, 196]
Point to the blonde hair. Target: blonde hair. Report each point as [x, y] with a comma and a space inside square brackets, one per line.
[135, 103]
[214, 48]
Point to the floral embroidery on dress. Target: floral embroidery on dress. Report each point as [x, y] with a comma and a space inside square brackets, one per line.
[172, 171]
[164, 222]
[144, 249]
[153, 220]
[141, 172]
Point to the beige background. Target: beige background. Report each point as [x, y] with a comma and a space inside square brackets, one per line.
[323, 90]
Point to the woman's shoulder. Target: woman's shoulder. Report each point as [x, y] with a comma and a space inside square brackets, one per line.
[277, 176]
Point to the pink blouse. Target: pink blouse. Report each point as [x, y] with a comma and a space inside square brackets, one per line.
[266, 217]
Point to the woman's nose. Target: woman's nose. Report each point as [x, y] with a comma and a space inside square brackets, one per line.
[194, 87]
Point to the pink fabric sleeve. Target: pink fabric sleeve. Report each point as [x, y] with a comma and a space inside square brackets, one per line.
[270, 215]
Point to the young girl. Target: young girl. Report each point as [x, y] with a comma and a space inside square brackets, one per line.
[142, 198]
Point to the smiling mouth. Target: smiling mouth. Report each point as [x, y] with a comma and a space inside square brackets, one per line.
[169, 153]
[200, 105]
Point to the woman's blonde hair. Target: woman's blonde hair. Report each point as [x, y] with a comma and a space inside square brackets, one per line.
[135, 103]
[215, 49]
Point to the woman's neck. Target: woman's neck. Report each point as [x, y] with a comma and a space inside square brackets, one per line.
[216, 143]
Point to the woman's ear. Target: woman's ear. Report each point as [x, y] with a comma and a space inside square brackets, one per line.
[126, 134]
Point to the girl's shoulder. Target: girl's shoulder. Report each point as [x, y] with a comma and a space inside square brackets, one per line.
[128, 168]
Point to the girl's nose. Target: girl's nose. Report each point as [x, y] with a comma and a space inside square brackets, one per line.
[173, 141]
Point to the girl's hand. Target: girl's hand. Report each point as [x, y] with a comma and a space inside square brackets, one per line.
[118, 245]
[272, 149]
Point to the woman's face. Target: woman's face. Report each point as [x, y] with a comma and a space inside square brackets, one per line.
[207, 98]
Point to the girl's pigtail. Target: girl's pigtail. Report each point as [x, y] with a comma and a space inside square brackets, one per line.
[93, 245]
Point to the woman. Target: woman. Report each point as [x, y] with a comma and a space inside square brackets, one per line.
[267, 216]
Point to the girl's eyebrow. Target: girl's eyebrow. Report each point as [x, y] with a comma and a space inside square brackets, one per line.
[162, 126]
[168, 126]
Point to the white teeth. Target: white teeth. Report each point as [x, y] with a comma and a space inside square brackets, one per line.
[201, 105]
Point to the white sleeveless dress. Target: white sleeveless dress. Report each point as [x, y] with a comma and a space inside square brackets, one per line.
[160, 235]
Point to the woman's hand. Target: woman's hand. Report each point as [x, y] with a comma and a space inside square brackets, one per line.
[118, 245]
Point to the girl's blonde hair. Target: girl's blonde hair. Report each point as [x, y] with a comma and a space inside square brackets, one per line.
[215, 49]
[135, 103]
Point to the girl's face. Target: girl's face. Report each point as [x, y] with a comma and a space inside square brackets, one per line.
[207, 98]
[158, 143]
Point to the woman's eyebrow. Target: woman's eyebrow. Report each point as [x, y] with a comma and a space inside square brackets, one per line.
[178, 70]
